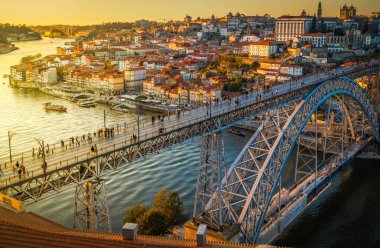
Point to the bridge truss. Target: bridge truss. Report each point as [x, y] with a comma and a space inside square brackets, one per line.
[252, 191]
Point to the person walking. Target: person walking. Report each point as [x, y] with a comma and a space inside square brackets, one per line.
[44, 166]
[19, 173]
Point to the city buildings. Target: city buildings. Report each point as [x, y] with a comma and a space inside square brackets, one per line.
[196, 58]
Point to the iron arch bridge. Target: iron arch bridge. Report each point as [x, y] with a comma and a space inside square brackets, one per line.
[326, 129]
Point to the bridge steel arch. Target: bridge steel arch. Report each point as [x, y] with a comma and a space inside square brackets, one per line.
[251, 180]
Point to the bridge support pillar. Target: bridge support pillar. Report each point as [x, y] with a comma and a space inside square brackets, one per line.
[91, 207]
[211, 170]
[377, 91]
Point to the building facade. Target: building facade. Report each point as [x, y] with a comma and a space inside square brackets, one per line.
[135, 74]
[262, 49]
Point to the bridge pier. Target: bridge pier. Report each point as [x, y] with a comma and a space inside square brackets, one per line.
[377, 91]
[211, 170]
[91, 207]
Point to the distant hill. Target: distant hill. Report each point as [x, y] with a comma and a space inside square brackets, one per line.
[12, 33]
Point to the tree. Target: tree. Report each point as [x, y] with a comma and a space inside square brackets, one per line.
[173, 209]
[322, 27]
[159, 201]
[167, 211]
[30, 58]
[255, 65]
[365, 27]
[314, 25]
[171, 205]
[134, 213]
[153, 222]
[339, 32]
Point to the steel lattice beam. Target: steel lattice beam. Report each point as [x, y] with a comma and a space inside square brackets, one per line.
[252, 179]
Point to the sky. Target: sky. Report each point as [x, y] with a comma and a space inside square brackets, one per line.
[81, 12]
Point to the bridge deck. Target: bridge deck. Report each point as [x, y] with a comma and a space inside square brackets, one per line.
[65, 157]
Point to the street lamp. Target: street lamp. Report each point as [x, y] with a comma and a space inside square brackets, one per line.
[10, 135]
[42, 145]
[209, 101]
[39, 141]
[137, 119]
[104, 117]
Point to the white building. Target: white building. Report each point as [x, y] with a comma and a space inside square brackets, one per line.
[135, 74]
[294, 70]
[250, 38]
[316, 39]
[290, 27]
[262, 48]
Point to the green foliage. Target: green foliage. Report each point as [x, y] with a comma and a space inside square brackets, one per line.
[179, 56]
[8, 29]
[30, 58]
[139, 98]
[174, 210]
[339, 32]
[255, 65]
[167, 211]
[314, 25]
[202, 70]
[153, 222]
[134, 213]
[322, 27]
[3, 39]
[171, 205]
[233, 87]
[272, 56]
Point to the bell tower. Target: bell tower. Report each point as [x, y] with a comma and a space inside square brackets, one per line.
[319, 10]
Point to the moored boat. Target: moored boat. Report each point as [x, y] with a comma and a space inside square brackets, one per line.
[87, 103]
[120, 108]
[50, 106]
[237, 132]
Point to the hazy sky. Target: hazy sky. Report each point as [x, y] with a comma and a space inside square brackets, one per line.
[97, 11]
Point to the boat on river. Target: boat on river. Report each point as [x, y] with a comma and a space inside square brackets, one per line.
[237, 132]
[87, 103]
[120, 108]
[50, 106]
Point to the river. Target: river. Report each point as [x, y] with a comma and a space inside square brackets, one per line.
[22, 111]
[347, 214]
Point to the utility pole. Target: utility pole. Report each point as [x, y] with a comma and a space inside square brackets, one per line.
[104, 118]
[138, 130]
[210, 105]
[9, 145]
[43, 152]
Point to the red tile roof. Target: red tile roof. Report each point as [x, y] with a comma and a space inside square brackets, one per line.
[30, 230]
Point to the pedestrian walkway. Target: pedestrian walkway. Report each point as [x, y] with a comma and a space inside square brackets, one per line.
[76, 149]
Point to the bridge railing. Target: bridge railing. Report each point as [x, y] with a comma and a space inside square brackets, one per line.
[121, 129]
[147, 131]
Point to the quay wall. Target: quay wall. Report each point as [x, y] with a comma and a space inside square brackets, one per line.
[269, 233]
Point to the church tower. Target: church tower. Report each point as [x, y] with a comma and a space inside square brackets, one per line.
[319, 10]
